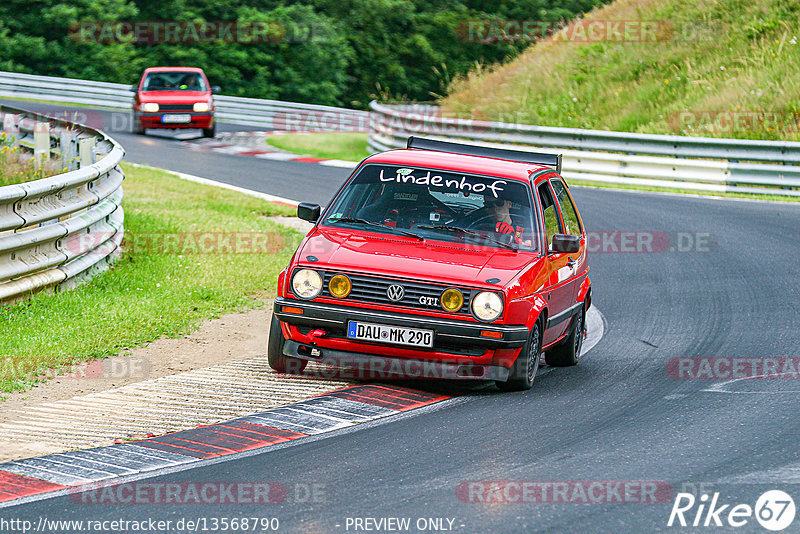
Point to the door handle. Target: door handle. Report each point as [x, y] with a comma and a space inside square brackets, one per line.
[570, 261]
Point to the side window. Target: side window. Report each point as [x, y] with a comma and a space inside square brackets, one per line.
[572, 224]
[552, 225]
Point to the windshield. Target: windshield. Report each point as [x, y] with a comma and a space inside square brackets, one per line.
[174, 81]
[440, 205]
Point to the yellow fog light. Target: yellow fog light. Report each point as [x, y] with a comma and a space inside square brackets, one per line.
[340, 286]
[452, 300]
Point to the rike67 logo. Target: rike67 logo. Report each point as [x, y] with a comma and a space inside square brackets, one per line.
[774, 510]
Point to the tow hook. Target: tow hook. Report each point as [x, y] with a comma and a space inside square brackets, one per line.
[317, 332]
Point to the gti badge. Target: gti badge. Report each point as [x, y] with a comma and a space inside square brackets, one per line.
[395, 292]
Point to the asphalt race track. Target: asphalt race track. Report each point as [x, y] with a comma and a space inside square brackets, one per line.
[160, 149]
[719, 281]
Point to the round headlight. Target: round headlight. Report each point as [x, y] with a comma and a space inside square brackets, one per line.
[149, 107]
[306, 283]
[487, 306]
[201, 107]
[452, 300]
[340, 286]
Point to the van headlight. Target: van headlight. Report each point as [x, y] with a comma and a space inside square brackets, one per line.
[306, 283]
[149, 107]
[487, 306]
[201, 107]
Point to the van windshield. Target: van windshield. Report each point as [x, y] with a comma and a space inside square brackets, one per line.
[174, 81]
[437, 204]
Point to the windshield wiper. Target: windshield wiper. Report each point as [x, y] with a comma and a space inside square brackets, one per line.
[472, 233]
[378, 225]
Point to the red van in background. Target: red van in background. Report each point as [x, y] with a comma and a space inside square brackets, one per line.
[174, 97]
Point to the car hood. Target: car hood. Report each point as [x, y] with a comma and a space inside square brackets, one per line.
[391, 255]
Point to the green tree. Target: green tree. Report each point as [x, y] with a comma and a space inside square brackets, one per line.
[342, 52]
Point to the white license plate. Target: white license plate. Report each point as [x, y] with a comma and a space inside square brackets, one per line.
[397, 335]
[175, 118]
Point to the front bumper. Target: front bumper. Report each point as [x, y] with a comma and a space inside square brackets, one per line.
[449, 331]
[153, 120]
[371, 367]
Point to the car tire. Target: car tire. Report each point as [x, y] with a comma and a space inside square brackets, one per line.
[210, 132]
[567, 353]
[277, 360]
[137, 128]
[523, 370]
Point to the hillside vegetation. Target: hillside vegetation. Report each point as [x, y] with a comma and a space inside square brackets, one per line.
[724, 68]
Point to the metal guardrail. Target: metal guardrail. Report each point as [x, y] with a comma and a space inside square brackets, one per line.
[696, 163]
[61, 230]
[262, 113]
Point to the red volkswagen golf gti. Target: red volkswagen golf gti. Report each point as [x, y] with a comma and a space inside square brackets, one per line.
[174, 97]
[440, 261]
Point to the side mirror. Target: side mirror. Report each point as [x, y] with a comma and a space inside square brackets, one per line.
[565, 243]
[134, 88]
[308, 211]
[215, 89]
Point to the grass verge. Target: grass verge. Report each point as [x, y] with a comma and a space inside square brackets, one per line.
[17, 167]
[161, 285]
[346, 146]
[53, 102]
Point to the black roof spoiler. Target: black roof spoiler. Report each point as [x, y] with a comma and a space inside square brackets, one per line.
[551, 160]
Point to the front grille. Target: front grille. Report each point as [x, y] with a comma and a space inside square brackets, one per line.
[417, 295]
[175, 107]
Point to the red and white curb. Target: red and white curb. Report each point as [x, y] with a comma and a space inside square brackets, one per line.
[325, 413]
[334, 410]
[254, 144]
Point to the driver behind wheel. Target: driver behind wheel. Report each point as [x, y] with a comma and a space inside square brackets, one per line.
[504, 224]
[496, 215]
